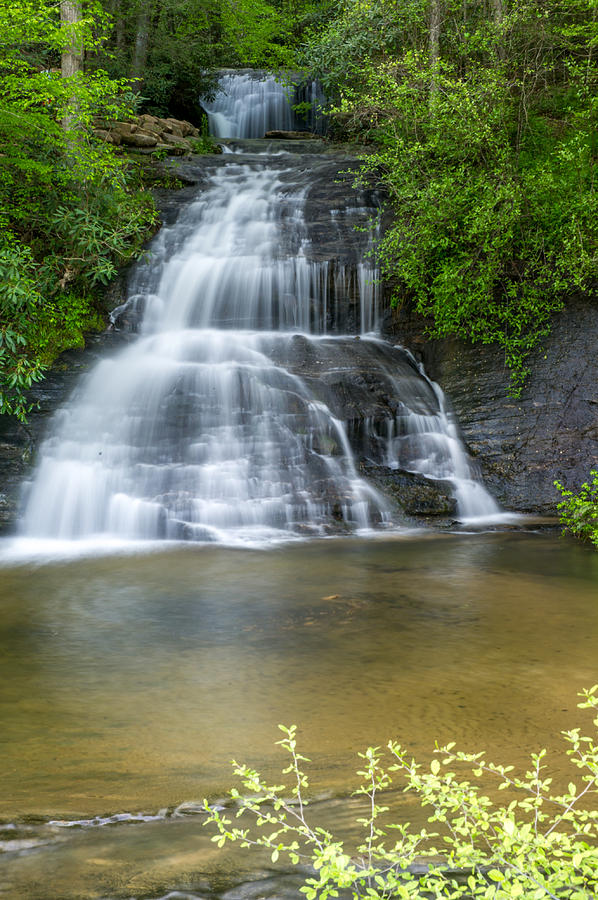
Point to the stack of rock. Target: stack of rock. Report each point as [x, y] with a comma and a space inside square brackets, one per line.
[149, 133]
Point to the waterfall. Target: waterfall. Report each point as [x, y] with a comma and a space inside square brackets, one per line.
[221, 420]
[248, 104]
[237, 259]
[427, 442]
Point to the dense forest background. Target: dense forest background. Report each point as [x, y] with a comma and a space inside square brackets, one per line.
[476, 117]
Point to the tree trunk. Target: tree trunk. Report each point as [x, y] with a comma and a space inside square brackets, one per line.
[72, 57]
[119, 27]
[497, 11]
[497, 16]
[434, 44]
[141, 39]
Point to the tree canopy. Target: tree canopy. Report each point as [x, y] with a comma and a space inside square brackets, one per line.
[482, 119]
[68, 216]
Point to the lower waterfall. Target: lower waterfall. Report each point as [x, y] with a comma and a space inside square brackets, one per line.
[221, 419]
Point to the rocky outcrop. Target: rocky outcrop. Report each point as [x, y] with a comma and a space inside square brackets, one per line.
[172, 136]
[550, 433]
[416, 496]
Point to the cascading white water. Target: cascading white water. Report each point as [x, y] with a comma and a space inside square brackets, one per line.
[428, 443]
[192, 431]
[236, 259]
[194, 434]
[200, 429]
[248, 104]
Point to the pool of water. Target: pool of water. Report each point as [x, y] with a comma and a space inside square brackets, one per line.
[130, 680]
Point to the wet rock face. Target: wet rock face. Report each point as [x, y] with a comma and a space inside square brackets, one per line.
[416, 496]
[550, 433]
[14, 453]
[351, 377]
[290, 135]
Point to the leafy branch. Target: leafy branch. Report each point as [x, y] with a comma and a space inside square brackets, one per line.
[538, 845]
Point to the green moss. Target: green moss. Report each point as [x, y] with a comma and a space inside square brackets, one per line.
[61, 324]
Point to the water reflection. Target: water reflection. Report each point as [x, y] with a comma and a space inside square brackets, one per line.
[128, 683]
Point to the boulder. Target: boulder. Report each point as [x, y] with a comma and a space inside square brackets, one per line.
[148, 133]
[123, 128]
[176, 127]
[139, 139]
[416, 495]
[175, 141]
[107, 136]
[187, 129]
[153, 128]
[146, 120]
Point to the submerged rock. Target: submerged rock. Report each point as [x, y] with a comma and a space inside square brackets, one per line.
[291, 135]
[416, 496]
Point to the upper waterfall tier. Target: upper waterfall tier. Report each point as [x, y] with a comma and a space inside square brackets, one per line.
[250, 103]
[244, 255]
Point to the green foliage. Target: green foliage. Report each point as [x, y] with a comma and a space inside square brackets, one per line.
[579, 512]
[30, 31]
[255, 34]
[19, 301]
[362, 35]
[487, 152]
[68, 209]
[205, 143]
[101, 235]
[61, 324]
[182, 45]
[185, 40]
[541, 843]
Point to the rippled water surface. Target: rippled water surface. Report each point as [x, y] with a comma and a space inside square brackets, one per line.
[130, 681]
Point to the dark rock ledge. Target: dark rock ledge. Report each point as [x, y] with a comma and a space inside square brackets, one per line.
[551, 433]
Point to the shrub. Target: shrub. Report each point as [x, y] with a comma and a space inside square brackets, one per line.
[539, 844]
[485, 146]
[69, 212]
[19, 302]
[579, 512]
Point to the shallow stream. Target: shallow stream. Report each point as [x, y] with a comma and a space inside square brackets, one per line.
[130, 680]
